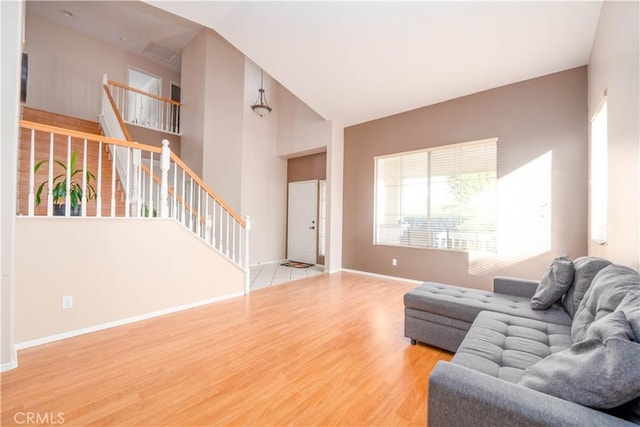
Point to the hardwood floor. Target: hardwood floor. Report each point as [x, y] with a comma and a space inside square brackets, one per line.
[327, 350]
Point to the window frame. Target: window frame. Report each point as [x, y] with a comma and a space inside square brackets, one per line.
[422, 150]
[598, 203]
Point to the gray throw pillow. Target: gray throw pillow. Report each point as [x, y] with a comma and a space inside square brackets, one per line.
[597, 373]
[555, 282]
[586, 269]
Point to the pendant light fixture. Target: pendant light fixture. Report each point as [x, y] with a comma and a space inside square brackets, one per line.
[261, 107]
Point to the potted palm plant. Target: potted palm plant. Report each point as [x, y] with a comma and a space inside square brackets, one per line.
[59, 190]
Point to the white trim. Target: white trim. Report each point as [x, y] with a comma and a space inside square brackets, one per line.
[115, 323]
[9, 366]
[382, 276]
[267, 262]
[437, 147]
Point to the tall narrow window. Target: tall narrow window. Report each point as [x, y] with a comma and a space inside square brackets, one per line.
[444, 197]
[598, 173]
[322, 215]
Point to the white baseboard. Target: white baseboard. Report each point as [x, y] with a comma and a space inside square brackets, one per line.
[382, 276]
[268, 262]
[9, 366]
[82, 331]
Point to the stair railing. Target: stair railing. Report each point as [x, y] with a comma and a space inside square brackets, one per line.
[177, 192]
[145, 109]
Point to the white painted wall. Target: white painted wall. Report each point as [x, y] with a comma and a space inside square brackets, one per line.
[12, 19]
[301, 130]
[213, 98]
[614, 66]
[264, 173]
[66, 68]
[128, 268]
[335, 173]
[193, 101]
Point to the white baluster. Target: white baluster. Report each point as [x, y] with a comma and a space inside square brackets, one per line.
[227, 229]
[165, 163]
[113, 186]
[83, 200]
[247, 276]
[143, 190]
[198, 226]
[127, 208]
[99, 182]
[220, 236]
[137, 181]
[240, 240]
[31, 203]
[150, 208]
[191, 203]
[50, 182]
[207, 226]
[174, 202]
[67, 200]
[184, 199]
[213, 224]
[233, 239]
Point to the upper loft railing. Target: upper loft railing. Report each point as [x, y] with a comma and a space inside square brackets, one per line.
[145, 109]
[59, 159]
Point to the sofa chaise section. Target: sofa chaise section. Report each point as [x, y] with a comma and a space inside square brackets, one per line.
[441, 315]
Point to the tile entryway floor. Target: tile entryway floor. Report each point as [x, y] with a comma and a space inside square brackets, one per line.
[265, 275]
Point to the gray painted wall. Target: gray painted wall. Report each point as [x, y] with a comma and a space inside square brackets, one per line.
[530, 118]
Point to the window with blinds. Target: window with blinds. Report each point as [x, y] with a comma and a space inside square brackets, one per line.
[443, 197]
[599, 172]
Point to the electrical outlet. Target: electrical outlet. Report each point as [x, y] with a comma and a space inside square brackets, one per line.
[394, 262]
[67, 302]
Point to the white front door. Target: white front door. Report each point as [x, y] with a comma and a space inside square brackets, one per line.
[303, 221]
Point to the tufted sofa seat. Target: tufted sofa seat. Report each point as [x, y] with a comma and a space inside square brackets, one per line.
[441, 315]
[503, 346]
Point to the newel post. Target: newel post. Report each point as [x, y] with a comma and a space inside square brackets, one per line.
[165, 163]
[247, 272]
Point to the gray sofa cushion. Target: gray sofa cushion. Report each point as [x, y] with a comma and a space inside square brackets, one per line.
[586, 269]
[464, 304]
[609, 288]
[596, 372]
[504, 346]
[555, 283]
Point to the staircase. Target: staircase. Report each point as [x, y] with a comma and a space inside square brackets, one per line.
[156, 239]
[42, 152]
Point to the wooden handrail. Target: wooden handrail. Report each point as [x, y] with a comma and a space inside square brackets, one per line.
[114, 106]
[206, 188]
[178, 161]
[141, 92]
[88, 136]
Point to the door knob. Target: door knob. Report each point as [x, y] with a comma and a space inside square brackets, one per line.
[312, 228]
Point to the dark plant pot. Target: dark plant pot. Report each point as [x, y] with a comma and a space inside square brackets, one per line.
[59, 210]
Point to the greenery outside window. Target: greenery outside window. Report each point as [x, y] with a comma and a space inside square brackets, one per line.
[444, 197]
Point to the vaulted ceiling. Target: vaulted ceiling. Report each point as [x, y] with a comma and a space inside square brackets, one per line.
[357, 61]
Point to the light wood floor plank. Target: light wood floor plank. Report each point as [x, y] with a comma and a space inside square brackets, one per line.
[327, 350]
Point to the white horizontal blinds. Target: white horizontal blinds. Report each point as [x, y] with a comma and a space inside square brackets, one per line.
[464, 196]
[439, 198]
[401, 195]
[599, 171]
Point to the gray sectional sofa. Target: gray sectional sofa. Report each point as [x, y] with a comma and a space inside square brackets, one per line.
[519, 366]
